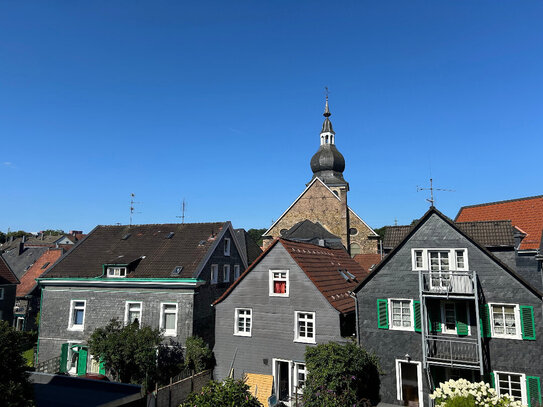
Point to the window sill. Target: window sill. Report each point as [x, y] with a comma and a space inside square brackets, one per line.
[170, 333]
[305, 341]
[407, 329]
[497, 336]
[247, 335]
[75, 328]
[278, 295]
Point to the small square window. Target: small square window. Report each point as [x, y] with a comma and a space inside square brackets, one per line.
[226, 246]
[214, 274]
[279, 283]
[132, 312]
[505, 321]
[236, 271]
[118, 272]
[226, 273]
[77, 315]
[243, 322]
[305, 327]
[401, 315]
[168, 319]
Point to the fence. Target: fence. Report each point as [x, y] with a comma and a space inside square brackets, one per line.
[176, 392]
[49, 366]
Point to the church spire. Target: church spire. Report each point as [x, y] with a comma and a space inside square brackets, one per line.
[327, 132]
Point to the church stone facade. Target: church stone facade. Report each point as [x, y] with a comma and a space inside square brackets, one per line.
[325, 199]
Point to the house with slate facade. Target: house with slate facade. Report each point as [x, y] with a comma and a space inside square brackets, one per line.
[295, 295]
[8, 284]
[442, 306]
[165, 276]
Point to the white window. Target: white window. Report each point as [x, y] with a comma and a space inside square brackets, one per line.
[304, 329]
[214, 274]
[279, 283]
[132, 312]
[448, 312]
[401, 314]
[513, 384]
[243, 322]
[19, 323]
[1, 293]
[116, 272]
[77, 315]
[300, 377]
[168, 318]
[226, 273]
[440, 260]
[504, 320]
[236, 271]
[226, 246]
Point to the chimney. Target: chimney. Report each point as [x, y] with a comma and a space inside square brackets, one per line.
[23, 238]
[21, 246]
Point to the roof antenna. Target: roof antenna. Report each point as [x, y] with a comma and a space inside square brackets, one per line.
[132, 206]
[183, 208]
[432, 189]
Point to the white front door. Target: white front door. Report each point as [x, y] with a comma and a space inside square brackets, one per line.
[409, 383]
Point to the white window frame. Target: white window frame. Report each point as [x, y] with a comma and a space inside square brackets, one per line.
[518, 334]
[304, 339]
[117, 272]
[1, 293]
[168, 332]
[237, 271]
[401, 328]
[276, 377]
[227, 244]
[71, 325]
[399, 394]
[17, 323]
[214, 277]
[249, 317]
[226, 273]
[299, 367]
[523, 389]
[444, 329]
[272, 280]
[127, 311]
[452, 258]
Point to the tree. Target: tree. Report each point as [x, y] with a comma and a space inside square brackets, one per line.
[15, 389]
[340, 375]
[256, 235]
[53, 232]
[198, 356]
[134, 354]
[228, 393]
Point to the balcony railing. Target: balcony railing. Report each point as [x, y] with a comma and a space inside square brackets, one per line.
[453, 352]
[448, 282]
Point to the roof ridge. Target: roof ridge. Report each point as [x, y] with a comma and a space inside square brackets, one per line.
[500, 202]
[162, 224]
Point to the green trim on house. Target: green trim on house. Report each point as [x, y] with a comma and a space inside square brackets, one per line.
[527, 322]
[533, 388]
[417, 316]
[382, 313]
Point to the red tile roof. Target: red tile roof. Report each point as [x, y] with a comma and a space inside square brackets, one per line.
[367, 260]
[524, 213]
[28, 280]
[6, 275]
[322, 266]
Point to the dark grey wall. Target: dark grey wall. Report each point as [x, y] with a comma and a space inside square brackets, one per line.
[103, 305]
[397, 280]
[273, 319]
[7, 304]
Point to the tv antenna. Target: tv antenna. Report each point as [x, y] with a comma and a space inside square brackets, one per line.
[132, 206]
[432, 189]
[183, 208]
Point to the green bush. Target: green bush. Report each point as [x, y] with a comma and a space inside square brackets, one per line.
[198, 356]
[340, 375]
[230, 393]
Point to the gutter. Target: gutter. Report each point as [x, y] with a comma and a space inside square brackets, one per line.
[122, 282]
[353, 295]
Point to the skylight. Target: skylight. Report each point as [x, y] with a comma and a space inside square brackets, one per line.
[170, 235]
[126, 236]
[177, 270]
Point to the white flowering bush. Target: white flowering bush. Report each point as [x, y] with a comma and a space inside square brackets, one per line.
[462, 393]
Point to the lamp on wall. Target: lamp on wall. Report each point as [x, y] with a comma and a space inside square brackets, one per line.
[407, 357]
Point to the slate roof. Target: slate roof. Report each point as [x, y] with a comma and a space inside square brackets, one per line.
[312, 232]
[525, 213]
[248, 245]
[44, 263]
[487, 233]
[321, 265]
[20, 263]
[146, 248]
[6, 275]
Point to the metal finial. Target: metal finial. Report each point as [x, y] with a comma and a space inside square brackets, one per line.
[326, 108]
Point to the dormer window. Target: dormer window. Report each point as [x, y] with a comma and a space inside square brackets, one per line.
[118, 272]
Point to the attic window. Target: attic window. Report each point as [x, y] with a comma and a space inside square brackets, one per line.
[177, 270]
[125, 237]
[170, 235]
[116, 272]
[45, 266]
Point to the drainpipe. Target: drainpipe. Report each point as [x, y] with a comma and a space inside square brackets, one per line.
[357, 328]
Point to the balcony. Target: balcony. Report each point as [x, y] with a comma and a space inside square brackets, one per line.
[446, 283]
[453, 352]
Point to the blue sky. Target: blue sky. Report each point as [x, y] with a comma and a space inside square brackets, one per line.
[220, 103]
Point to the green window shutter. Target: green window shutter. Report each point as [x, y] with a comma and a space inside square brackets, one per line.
[82, 362]
[416, 314]
[63, 358]
[382, 314]
[527, 322]
[533, 389]
[434, 316]
[484, 315]
[492, 380]
[462, 326]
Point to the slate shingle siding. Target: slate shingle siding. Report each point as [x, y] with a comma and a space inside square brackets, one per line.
[397, 280]
[6, 304]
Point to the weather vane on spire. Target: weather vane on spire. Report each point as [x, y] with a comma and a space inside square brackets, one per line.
[326, 92]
